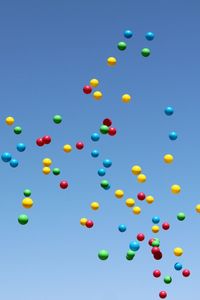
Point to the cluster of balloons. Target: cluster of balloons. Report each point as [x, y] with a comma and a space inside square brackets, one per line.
[87, 89]
[27, 203]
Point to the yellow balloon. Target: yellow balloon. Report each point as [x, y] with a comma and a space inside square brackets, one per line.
[94, 82]
[67, 148]
[119, 194]
[94, 205]
[27, 202]
[178, 251]
[136, 210]
[197, 208]
[97, 95]
[141, 178]
[168, 158]
[83, 221]
[149, 199]
[46, 170]
[130, 202]
[111, 61]
[136, 170]
[47, 162]
[126, 98]
[175, 189]
[155, 228]
[10, 120]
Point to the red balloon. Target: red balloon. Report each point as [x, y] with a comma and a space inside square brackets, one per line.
[150, 242]
[87, 89]
[112, 131]
[163, 294]
[79, 145]
[140, 237]
[40, 142]
[46, 139]
[89, 224]
[186, 273]
[155, 250]
[63, 184]
[156, 273]
[107, 122]
[141, 196]
[165, 226]
[157, 255]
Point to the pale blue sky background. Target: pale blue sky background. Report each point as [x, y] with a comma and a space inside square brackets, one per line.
[48, 51]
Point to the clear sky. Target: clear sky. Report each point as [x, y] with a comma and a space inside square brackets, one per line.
[48, 51]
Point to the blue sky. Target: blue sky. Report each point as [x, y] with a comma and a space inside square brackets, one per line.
[49, 51]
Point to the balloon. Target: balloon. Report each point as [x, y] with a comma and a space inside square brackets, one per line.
[136, 210]
[119, 194]
[149, 36]
[87, 89]
[17, 130]
[57, 119]
[178, 251]
[47, 162]
[27, 192]
[145, 52]
[21, 147]
[23, 219]
[168, 158]
[141, 178]
[130, 202]
[136, 170]
[122, 46]
[6, 157]
[169, 110]
[94, 205]
[10, 121]
[94, 82]
[14, 163]
[63, 184]
[111, 61]
[126, 98]
[27, 202]
[175, 189]
[128, 34]
[97, 95]
[67, 148]
[103, 254]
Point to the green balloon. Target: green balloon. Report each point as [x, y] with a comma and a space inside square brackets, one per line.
[23, 219]
[181, 216]
[27, 192]
[104, 129]
[57, 119]
[104, 184]
[17, 130]
[167, 279]
[130, 254]
[156, 243]
[121, 46]
[56, 171]
[103, 254]
[145, 52]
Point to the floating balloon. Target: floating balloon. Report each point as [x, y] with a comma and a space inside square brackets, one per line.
[10, 121]
[57, 119]
[27, 202]
[103, 254]
[67, 148]
[111, 61]
[94, 82]
[149, 36]
[128, 34]
[23, 219]
[119, 194]
[130, 202]
[122, 46]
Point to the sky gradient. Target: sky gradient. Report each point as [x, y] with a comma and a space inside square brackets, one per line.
[49, 51]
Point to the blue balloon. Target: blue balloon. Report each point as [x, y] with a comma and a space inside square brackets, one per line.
[122, 228]
[149, 36]
[6, 156]
[107, 163]
[173, 136]
[14, 163]
[95, 137]
[135, 246]
[21, 147]
[128, 34]
[178, 266]
[169, 110]
[101, 172]
[155, 219]
[95, 153]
